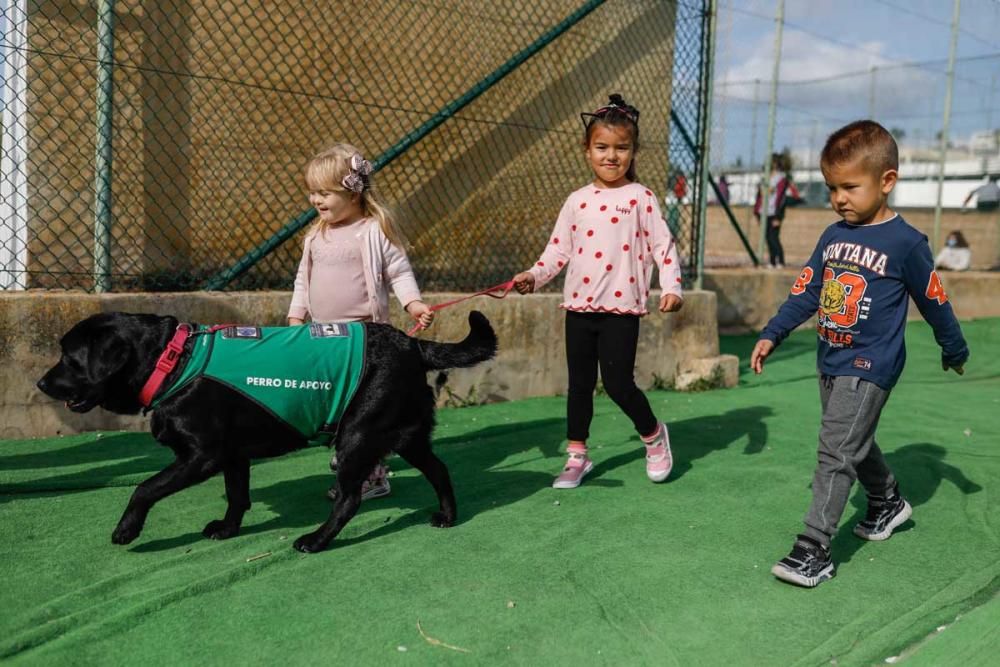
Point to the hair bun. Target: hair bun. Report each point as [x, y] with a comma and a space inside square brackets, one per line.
[617, 100]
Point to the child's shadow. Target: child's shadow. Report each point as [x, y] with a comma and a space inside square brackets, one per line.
[691, 439]
[474, 461]
[921, 468]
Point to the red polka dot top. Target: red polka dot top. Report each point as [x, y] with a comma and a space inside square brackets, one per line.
[611, 239]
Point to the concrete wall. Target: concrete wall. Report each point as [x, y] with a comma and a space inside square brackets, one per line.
[747, 298]
[531, 360]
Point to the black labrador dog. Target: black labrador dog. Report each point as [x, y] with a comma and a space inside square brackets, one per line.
[107, 358]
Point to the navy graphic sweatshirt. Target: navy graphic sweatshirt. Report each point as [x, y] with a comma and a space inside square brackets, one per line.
[857, 282]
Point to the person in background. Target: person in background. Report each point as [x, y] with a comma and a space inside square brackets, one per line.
[987, 195]
[781, 192]
[955, 255]
[723, 189]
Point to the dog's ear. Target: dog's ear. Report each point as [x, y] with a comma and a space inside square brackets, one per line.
[105, 356]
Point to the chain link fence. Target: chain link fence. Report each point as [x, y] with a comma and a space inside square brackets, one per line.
[159, 146]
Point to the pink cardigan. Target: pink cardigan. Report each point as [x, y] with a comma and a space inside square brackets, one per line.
[611, 238]
[383, 262]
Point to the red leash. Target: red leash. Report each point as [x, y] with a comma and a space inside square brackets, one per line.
[495, 292]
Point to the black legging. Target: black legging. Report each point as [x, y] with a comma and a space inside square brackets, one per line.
[773, 236]
[610, 341]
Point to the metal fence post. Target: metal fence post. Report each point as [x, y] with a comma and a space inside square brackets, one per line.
[103, 154]
[708, 69]
[772, 113]
[945, 123]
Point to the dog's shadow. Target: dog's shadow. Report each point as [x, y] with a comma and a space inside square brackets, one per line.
[920, 469]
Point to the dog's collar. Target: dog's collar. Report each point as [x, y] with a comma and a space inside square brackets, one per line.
[166, 363]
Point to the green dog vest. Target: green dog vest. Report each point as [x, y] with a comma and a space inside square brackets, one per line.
[304, 375]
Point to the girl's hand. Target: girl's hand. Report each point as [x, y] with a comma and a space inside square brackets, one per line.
[524, 282]
[670, 303]
[294, 321]
[760, 352]
[421, 312]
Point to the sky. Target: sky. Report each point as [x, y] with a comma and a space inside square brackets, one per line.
[825, 73]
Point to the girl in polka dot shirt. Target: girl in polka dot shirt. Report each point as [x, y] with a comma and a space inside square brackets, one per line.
[611, 234]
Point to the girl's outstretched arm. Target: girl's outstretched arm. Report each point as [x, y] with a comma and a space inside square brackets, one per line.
[556, 254]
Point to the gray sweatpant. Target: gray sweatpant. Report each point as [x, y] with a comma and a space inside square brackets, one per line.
[847, 451]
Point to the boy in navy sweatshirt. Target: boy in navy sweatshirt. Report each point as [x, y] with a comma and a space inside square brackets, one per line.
[858, 282]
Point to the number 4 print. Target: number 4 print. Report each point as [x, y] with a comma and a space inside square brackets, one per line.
[935, 290]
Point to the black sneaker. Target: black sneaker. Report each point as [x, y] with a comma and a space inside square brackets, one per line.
[808, 565]
[885, 514]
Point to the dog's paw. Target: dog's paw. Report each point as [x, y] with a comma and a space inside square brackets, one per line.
[440, 520]
[220, 530]
[310, 544]
[125, 533]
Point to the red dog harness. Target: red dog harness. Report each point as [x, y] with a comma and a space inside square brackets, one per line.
[168, 360]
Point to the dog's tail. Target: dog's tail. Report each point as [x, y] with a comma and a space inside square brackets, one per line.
[480, 345]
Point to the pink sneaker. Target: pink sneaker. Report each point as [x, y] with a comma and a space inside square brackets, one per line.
[659, 460]
[577, 466]
[376, 486]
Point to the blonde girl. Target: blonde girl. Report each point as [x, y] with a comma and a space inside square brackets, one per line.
[351, 257]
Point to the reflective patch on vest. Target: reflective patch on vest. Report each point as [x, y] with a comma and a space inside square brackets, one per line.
[241, 332]
[329, 330]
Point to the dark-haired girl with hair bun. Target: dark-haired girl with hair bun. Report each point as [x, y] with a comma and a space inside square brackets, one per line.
[611, 234]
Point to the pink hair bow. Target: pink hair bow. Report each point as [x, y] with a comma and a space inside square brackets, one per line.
[357, 180]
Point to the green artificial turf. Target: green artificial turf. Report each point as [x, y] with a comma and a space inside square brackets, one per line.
[619, 571]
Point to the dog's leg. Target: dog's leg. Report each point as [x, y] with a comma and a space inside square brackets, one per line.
[353, 466]
[176, 476]
[423, 459]
[237, 477]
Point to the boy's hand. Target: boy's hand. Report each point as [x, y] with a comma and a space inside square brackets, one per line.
[294, 321]
[960, 369]
[760, 352]
[421, 312]
[670, 303]
[524, 282]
